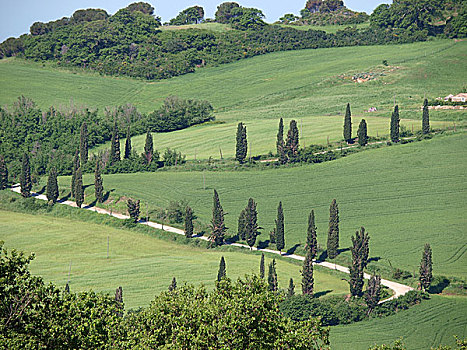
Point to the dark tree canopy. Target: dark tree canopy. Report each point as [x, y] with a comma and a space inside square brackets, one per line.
[52, 186]
[292, 142]
[173, 285]
[89, 15]
[279, 232]
[425, 118]
[189, 222]
[148, 148]
[373, 291]
[25, 177]
[127, 153]
[218, 228]
[333, 231]
[311, 238]
[83, 145]
[252, 228]
[261, 266]
[362, 133]
[79, 189]
[272, 277]
[3, 173]
[98, 184]
[426, 268]
[222, 270]
[242, 223]
[142, 7]
[307, 274]
[241, 147]
[133, 209]
[291, 289]
[76, 166]
[395, 124]
[115, 146]
[224, 12]
[348, 124]
[191, 15]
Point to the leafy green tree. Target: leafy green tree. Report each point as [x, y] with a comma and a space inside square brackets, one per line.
[241, 148]
[425, 118]
[98, 184]
[272, 277]
[221, 273]
[426, 268]
[79, 189]
[291, 289]
[360, 251]
[191, 15]
[25, 177]
[348, 125]
[288, 18]
[83, 144]
[189, 222]
[242, 223]
[127, 153]
[148, 148]
[218, 228]
[395, 124]
[280, 137]
[252, 228]
[224, 12]
[261, 266]
[133, 209]
[279, 233]
[292, 143]
[456, 26]
[142, 7]
[173, 285]
[244, 18]
[52, 186]
[308, 281]
[311, 238]
[76, 166]
[362, 133]
[373, 292]
[333, 231]
[3, 174]
[115, 146]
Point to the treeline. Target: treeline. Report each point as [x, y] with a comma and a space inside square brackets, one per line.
[131, 43]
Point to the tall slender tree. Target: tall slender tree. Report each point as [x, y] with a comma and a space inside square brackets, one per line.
[98, 183]
[148, 148]
[252, 228]
[333, 231]
[308, 281]
[119, 300]
[362, 133]
[360, 250]
[241, 227]
[395, 124]
[127, 154]
[426, 268]
[241, 147]
[221, 273]
[292, 142]
[115, 146]
[79, 190]
[261, 266]
[3, 173]
[173, 285]
[348, 125]
[83, 144]
[52, 186]
[291, 289]
[425, 118]
[188, 222]
[373, 292]
[279, 234]
[311, 239]
[218, 228]
[76, 165]
[280, 137]
[272, 276]
[133, 209]
[25, 177]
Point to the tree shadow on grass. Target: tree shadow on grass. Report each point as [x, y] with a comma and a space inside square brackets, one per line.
[442, 283]
[233, 239]
[107, 194]
[343, 250]
[86, 186]
[322, 293]
[292, 250]
[323, 256]
[42, 190]
[263, 244]
[63, 199]
[375, 258]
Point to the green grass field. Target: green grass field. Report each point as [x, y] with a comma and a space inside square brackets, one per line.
[141, 264]
[423, 326]
[331, 28]
[405, 196]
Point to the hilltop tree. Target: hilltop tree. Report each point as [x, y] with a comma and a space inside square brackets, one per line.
[127, 154]
[279, 233]
[79, 190]
[83, 144]
[426, 268]
[224, 12]
[191, 15]
[425, 118]
[291, 289]
[272, 276]
[142, 7]
[76, 165]
[395, 124]
[292, 143]
[252, 228]
[173, 285]
[348, 125]
[115, 146]
[218, 228]
[311, 239]
[362, 133]
[133, 209]
[188, 222]
[98, 184]
[222, 270]
[307, 274]
[261, 266]
[242, 222]
[333, 231]
[360, 250]
[242, 144]
[148, 148]
[3, 173]
[25, 177]
[373, 292]
[52, 186]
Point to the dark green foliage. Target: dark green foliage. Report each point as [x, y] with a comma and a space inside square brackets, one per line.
[292, 143]
[76, 166]
[311, 239]
[173, 285]
[115, 146]
[362, 133]
[52, 186]
[98, 184]
[348, 124]
[191, 15]
[251, 227]
[133, 209]
[241, 147]
[291, 289]
[272, 277]
[242, 223]
[3, 174]
[456, 26]
[426, 268]
[308, 281]
[170, 157]
[224, 11]
[373, 291]
[395, 125]
[221, 273]
[360, 251]
[244, 18]
[330, 12]
[217, 224]
[127, 153]
[425, 118]
[333, 231]
[261, 266]
[83, 144]
[279, 233]
[142, 7]
[148, 148]
[272, 235]
[89, 15]
[280, 146]
[119, 300]
[79, 189]
[25, 177]
[189, 222]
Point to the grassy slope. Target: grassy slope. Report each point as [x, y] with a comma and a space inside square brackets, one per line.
[141, 264]
[404, 195]
[331, 28]
[430, 324]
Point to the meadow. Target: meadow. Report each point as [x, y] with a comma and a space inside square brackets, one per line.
[142, 264]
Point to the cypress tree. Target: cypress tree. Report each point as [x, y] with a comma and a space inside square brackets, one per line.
[373, 292]
[362, 133]
[280, 137]
[98, 184]
[241, 147]
[241, 227]
[291, 289]
[148, 148]
[76, 165]
[425, 118]
[79, 190]
[222, 271]
[25, 177]
[115, 146]
[279, 234]
[261, 266]
[272, 277]
[307, 274]
[52, 186]
[426, 268]
[292, 142]
[360, 252]
[348, 125]
[311, 239]
[83, 144]
[127, 154]
[119, 300]
[67, 288]
[133, 209]
[395, 124]
[3, 173]
[252, 228]
[189, 222]
[217, 224]
[333, 231]
[173, 285]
